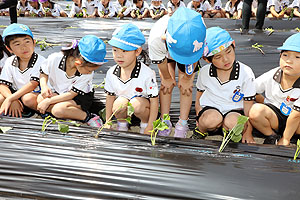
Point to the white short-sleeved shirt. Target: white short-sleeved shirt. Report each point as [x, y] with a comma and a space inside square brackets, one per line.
[119, 7]
[142, 82]
[158, 9]
[157, 47]
[36, 11]
[269, 83]
[295, 4]
[229, 95]
[12, 76]
[206, 6]
[74, 9]
[55, 67]
[190, 6]
[89, 6]
[109, 10]
[172, 6]
[142, 10]
[23, 8]
[278, 4]
[231, 10]
[2, 61]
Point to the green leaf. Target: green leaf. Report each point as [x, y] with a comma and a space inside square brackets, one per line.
[63, 128]
[4, 129]
[102, 113]
[156, 123]
[166, 117]
[298, 143]
[128, 119]
[75, 123]
[130, 109]
[236, 138]
[109, 123]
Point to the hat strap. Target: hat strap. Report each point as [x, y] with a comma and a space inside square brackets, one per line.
[125, 42]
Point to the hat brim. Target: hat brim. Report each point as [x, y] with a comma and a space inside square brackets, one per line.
[184, 59]
[97, 62]
[120, 45]
[17, 33]
[289, 48]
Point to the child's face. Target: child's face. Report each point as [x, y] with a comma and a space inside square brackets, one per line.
[175, 1]
[104, 2]
[45, 4]
[121, 1]
[156, 3]
[224, 59]
[290, 63]
[23, 47]
[139, 3]
[196, 3]
[124, 58]
[33, 4]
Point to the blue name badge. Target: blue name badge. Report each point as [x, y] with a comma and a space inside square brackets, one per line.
[189, 69]
[237, 96]
[284, 109]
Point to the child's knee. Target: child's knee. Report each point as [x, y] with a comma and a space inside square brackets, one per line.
[120, 104]
[210, 120]
[230, 120]
[139, 104]
[29, 100]
[256, 111]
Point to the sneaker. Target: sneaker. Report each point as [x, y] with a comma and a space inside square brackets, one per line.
[180, 130]
[272, 139]
[122, 126]
[95, 121]
[198, 135]
[166, 132]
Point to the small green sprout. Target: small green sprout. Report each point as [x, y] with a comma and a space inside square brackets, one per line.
[63, 128]
[235, 134]
[4, 129]
[130, 111]
[269, 30]
[158, 125]
[44, 45]
[297, 29]
[298, 150]
[3, 26]
[258, 47]
[101, 85]
[291, 15]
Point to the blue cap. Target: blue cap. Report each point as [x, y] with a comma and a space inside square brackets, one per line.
[127, 37]
[92, 49]
[292, 43]
[217, 39]
[185, 36]
[15, 29]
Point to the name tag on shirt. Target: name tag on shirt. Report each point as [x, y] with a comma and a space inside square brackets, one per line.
[284, 109]
[237, 96]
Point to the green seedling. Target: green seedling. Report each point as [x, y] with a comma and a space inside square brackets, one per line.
[121, 12]
[101, 85]
[283, 10]
[291, 15]
[258, 47]
[4, 129]
[130, 111]
[297, 29]
[298, 150]
[79, 14]
[269, 30]
[138, 13]
[235, 134]
[71, 27]
[3, 26]
[158, 125]
[44, 45]
[63, 128]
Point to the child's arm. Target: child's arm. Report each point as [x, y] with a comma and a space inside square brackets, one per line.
[109, 106]
[259, 98]
[197, 102]
[45, 90]
[153, 114]
[292, 124]
[144, 14]
[247, 135]
[29, 87]
[132, 14]
[152, 14]
[44, 104]
[274, 13]
[296, 12]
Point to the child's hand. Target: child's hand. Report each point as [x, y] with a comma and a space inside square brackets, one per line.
[16, 109]
[46, 92]
[140, 17]
[186, 86]
[247, 138]
[147, 130]
[283, 141]
[5, 106]
[167, 85]
[43, 105]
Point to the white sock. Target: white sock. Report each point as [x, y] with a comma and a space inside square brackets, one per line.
[143, 126]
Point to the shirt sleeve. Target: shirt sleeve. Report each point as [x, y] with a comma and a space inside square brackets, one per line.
[260, 83]
[108, 87]
[240, 6]
[199, 84]
[83, 84]
[6, 76]
[112, 10]
[227, 6]
[249, 87]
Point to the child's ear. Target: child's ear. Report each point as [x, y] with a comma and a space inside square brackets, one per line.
[9, 49]
[206, 60]
[34, 43]
[233, 43]
[138, 51]
[78, 61]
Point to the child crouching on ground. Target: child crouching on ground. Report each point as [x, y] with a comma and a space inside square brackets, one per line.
[130, 80]
[278, 114]
[20, 75]
[225, 87]
[70, 74]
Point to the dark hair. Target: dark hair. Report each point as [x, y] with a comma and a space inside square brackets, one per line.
[144, 57]
[74, 52]
[210, 58]
[135, 1]
[3, 49]
[9, 38]
[236, 4]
